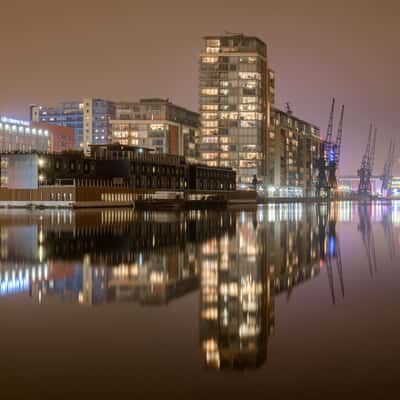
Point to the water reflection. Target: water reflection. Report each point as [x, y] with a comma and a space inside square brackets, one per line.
[104, 256]
[239, 262]
[241, 277]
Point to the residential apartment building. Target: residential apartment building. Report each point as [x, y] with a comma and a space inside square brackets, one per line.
[291, 154]
[157, 124]
[236, 91]
[89, 117]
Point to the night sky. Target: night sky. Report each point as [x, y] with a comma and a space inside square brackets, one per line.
[126, 50]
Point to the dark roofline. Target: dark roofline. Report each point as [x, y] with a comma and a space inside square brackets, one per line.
[273, 108]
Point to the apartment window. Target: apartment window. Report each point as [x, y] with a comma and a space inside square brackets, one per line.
[209, 91]
[247, 100]
[249, 75]
[209, 115]
[210, 139]
[210, 107]
[210, 124]
[210, 60]
[213, 43]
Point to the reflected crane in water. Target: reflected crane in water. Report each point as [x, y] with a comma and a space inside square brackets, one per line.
[367, 235]
[330, 253]
[389, 232]
[387, 173]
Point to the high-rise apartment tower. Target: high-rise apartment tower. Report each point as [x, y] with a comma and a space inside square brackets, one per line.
[236, 90]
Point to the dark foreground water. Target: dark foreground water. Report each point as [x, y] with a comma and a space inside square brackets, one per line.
[286, 301]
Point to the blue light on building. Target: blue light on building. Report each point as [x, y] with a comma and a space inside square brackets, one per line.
[89, 117]
[332, 155]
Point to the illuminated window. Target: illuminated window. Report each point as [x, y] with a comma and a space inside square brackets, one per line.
[210, 107]
[248, 107]
[229, 115]
[208, 156]
[212, 49]
[210, 60]
[213, 43]
[249, 75]
[247, 100]
[209, 115]
[210, 139]
[209, 131]
[209, 91]
[157, 127]
[210, 124]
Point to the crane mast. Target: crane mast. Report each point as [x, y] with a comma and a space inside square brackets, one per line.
[371, 159]
[334, 154]
[329, 132]
[364, 172]
[322, 184]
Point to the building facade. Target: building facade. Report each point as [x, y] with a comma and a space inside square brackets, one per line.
[20, 136]
[89, 117]
[157, 124]
[16, 135]
[62, 138]
[291, 155]
[111, 175]
[236, 90]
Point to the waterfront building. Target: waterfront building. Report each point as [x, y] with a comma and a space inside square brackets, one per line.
[89, 117]
[292, 151]
[16, 135]
[110, 175]
[236, 90]
[157, 124]
[240, 125]
[20, 136]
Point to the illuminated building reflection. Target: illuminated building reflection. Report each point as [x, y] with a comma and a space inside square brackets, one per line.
[238, 261]
[94, 257]
[274, 250]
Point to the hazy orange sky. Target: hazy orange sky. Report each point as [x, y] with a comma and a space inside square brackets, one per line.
[126, 50]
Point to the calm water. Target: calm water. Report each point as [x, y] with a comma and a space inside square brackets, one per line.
[286, 301]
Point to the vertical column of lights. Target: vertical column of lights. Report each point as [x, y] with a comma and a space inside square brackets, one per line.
[209, 301]
[209, 92]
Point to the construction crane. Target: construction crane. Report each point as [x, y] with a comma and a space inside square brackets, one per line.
[334, 154]
[367, 164]
[329, 132]
[329, 158]
[372, 153]
[387, 173]
[322, 185]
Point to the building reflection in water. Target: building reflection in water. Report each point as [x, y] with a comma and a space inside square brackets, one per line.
[273, 251]
[94, 257]
[239, 260]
